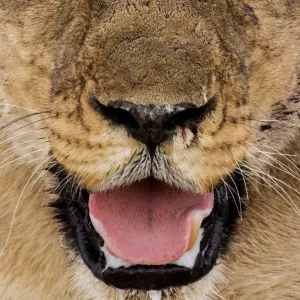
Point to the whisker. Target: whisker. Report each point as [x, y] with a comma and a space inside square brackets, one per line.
[250, 179]
[237, 191]
[67, 180]
[277, 179]
[19, 144]
[26, 108]
[20, 134]
[251, 172]
[61, 182]
[291, 202]
[43, 172]
[230, 188]
[217, 293]
[7, 164]
[11, 132]
[26, 162]
[241, 172]
[28, 146]
[288, 159]
[283, 169]
[17, 205]
[277, 154]
[22, 118]
[54, 163]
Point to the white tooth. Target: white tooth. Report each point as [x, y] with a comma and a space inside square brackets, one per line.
[113, 261]
[155, 295]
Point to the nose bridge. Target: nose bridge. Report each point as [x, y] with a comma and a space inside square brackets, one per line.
[149, 64]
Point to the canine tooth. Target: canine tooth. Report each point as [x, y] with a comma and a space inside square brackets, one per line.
[197, 221]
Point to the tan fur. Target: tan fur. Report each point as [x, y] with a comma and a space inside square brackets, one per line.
[54, 54]
[263, 261]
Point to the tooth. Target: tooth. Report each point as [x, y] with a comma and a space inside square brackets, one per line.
[196, 223]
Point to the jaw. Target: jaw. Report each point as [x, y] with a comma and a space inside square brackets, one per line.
[72, 210]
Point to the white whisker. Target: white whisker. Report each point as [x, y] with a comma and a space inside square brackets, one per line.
[241, 172]
[15, 136]
[27, 147]
[284, 168]
[230, 188]
[17, 106]
[19, 144]
[17, 205]
[40, 176]
[262, 171]
[22, 157]
[288, 159]
[237, 193]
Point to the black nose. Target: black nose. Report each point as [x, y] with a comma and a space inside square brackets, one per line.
[151, 124]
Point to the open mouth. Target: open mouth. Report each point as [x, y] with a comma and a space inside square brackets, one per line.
[148, 235]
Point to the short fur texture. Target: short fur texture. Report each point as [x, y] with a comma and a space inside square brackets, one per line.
[54, 55]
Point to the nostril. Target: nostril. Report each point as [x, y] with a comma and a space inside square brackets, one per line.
[191, 116]
[115, 114]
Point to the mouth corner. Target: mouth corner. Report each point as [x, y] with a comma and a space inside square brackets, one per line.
[73, 210]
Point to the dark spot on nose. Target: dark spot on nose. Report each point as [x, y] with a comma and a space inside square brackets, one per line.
[149, 123]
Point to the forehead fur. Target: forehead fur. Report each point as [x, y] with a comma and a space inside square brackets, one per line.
[155, 51]
[149, 51]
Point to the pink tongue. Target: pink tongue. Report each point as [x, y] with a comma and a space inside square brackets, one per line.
[147, 223]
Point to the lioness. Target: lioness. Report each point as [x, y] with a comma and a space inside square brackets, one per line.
[149, 149]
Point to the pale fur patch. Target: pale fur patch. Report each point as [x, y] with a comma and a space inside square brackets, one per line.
[26, 137]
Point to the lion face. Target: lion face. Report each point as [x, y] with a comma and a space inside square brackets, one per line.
[143, 113]
[153, 108]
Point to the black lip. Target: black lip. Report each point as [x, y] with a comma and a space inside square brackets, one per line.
[71, 209]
